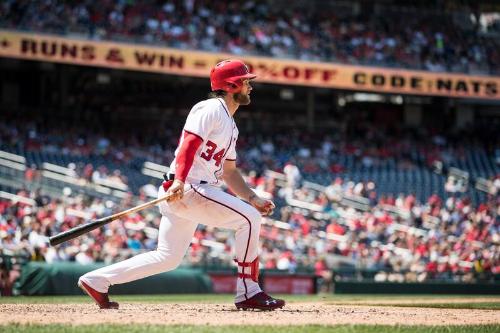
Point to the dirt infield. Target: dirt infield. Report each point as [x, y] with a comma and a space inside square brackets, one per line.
[225, 314]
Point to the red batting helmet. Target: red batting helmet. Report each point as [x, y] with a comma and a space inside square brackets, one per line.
[228, 75]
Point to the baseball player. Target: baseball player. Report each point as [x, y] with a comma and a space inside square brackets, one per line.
[205, 158]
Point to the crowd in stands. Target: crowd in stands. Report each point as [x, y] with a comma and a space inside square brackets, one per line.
[404, 239]
[38, 135]
[357, 145]
[396, 239]
[366, 145]
[393, 237]
[408, 39]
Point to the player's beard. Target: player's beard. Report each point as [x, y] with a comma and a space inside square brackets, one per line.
[241, 99]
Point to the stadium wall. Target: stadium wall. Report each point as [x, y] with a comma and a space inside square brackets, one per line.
[39, 278]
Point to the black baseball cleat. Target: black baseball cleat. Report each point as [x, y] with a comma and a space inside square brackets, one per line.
[101, 299]
[261, 301]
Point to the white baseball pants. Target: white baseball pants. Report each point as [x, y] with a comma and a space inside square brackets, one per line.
[203, 204]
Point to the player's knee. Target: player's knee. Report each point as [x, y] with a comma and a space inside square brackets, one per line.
[173, 263]
[168, 260]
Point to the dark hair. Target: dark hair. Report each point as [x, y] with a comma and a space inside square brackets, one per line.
[217, 94]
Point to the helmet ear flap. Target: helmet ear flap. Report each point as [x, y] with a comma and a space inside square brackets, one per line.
[232, 87]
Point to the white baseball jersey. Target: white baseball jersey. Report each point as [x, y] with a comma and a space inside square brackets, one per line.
[211, 121]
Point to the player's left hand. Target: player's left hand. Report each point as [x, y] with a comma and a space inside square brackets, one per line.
[264, 206]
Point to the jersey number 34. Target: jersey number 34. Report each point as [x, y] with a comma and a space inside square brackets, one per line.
[209, 153]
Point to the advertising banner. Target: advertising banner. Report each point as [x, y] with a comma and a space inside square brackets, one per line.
[269, 70]
[289, 284]
[223, 283]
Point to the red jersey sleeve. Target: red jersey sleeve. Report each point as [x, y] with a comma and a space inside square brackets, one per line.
[185, 157]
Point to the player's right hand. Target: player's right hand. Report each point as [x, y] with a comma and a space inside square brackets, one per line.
[176, 190]
[264, 206]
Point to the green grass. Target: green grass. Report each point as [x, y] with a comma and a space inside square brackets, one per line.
[249, 329]
[475, 305]
[188, 298]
